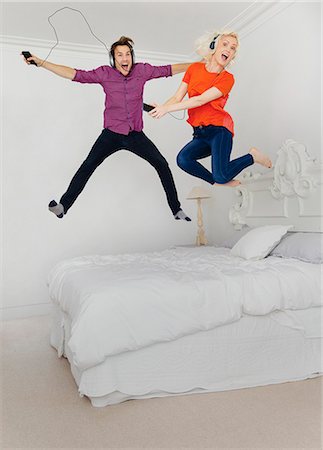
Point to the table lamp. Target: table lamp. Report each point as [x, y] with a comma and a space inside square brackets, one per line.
[198, 193]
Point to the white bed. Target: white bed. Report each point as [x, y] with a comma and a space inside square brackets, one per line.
[189, 320]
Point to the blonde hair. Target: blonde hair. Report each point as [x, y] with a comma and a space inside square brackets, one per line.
[202, 44]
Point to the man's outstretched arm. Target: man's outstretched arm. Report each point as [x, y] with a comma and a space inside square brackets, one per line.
[62, 71]
[179, 68]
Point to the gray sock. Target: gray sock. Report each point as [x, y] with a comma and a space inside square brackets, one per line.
[180, 215]
[57, 209]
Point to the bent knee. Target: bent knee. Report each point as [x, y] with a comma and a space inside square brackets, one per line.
[220, 178]
[182, 161]
[161, 164]
[90, 164]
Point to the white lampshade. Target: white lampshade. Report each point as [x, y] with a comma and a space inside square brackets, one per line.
[198, 192]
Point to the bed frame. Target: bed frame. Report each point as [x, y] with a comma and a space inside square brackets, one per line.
[291, 193]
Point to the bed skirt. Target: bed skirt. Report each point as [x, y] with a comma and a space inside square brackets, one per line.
[254, 351]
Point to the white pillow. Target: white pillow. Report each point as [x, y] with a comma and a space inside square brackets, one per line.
[260, 241]
[234, 238]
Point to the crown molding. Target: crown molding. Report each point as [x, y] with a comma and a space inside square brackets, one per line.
[21, 43]
[245, 23]
[256, 15]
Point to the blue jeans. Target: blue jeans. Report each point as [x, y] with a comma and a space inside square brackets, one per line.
[214, 141]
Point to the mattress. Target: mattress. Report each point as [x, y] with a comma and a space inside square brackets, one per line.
[254, 351]
[122, 303]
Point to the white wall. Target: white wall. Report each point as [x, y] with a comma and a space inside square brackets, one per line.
[49, 126]
[277, 94]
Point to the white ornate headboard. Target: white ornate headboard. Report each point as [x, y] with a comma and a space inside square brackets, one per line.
[290, 193]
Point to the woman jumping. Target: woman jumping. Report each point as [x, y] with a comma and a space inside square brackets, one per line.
[208, 85]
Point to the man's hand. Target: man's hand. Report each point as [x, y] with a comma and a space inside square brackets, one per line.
[37, 60]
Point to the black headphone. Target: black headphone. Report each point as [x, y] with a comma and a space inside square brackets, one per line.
[111, 55]
[212, 44]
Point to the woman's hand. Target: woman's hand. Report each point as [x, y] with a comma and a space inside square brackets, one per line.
[159, 111]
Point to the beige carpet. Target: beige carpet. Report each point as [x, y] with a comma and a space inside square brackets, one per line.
[41, 408]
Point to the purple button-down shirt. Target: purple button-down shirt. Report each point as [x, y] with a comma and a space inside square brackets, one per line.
[123, 94]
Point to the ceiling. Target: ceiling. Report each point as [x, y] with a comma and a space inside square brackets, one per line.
[163, 27]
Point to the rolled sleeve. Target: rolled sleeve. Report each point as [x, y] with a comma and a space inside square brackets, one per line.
[92, 76]
[150, 72]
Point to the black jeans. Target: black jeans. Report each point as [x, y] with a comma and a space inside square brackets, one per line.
[107, 144]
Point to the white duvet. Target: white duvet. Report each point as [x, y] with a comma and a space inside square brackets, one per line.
[126, 302]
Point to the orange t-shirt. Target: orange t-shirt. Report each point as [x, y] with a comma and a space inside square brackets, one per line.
[200, 80]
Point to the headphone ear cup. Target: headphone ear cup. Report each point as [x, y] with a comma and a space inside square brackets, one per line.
[111, 58]
[212, 44]
[112, 62]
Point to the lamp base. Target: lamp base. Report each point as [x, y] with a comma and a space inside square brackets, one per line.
[200, 238]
